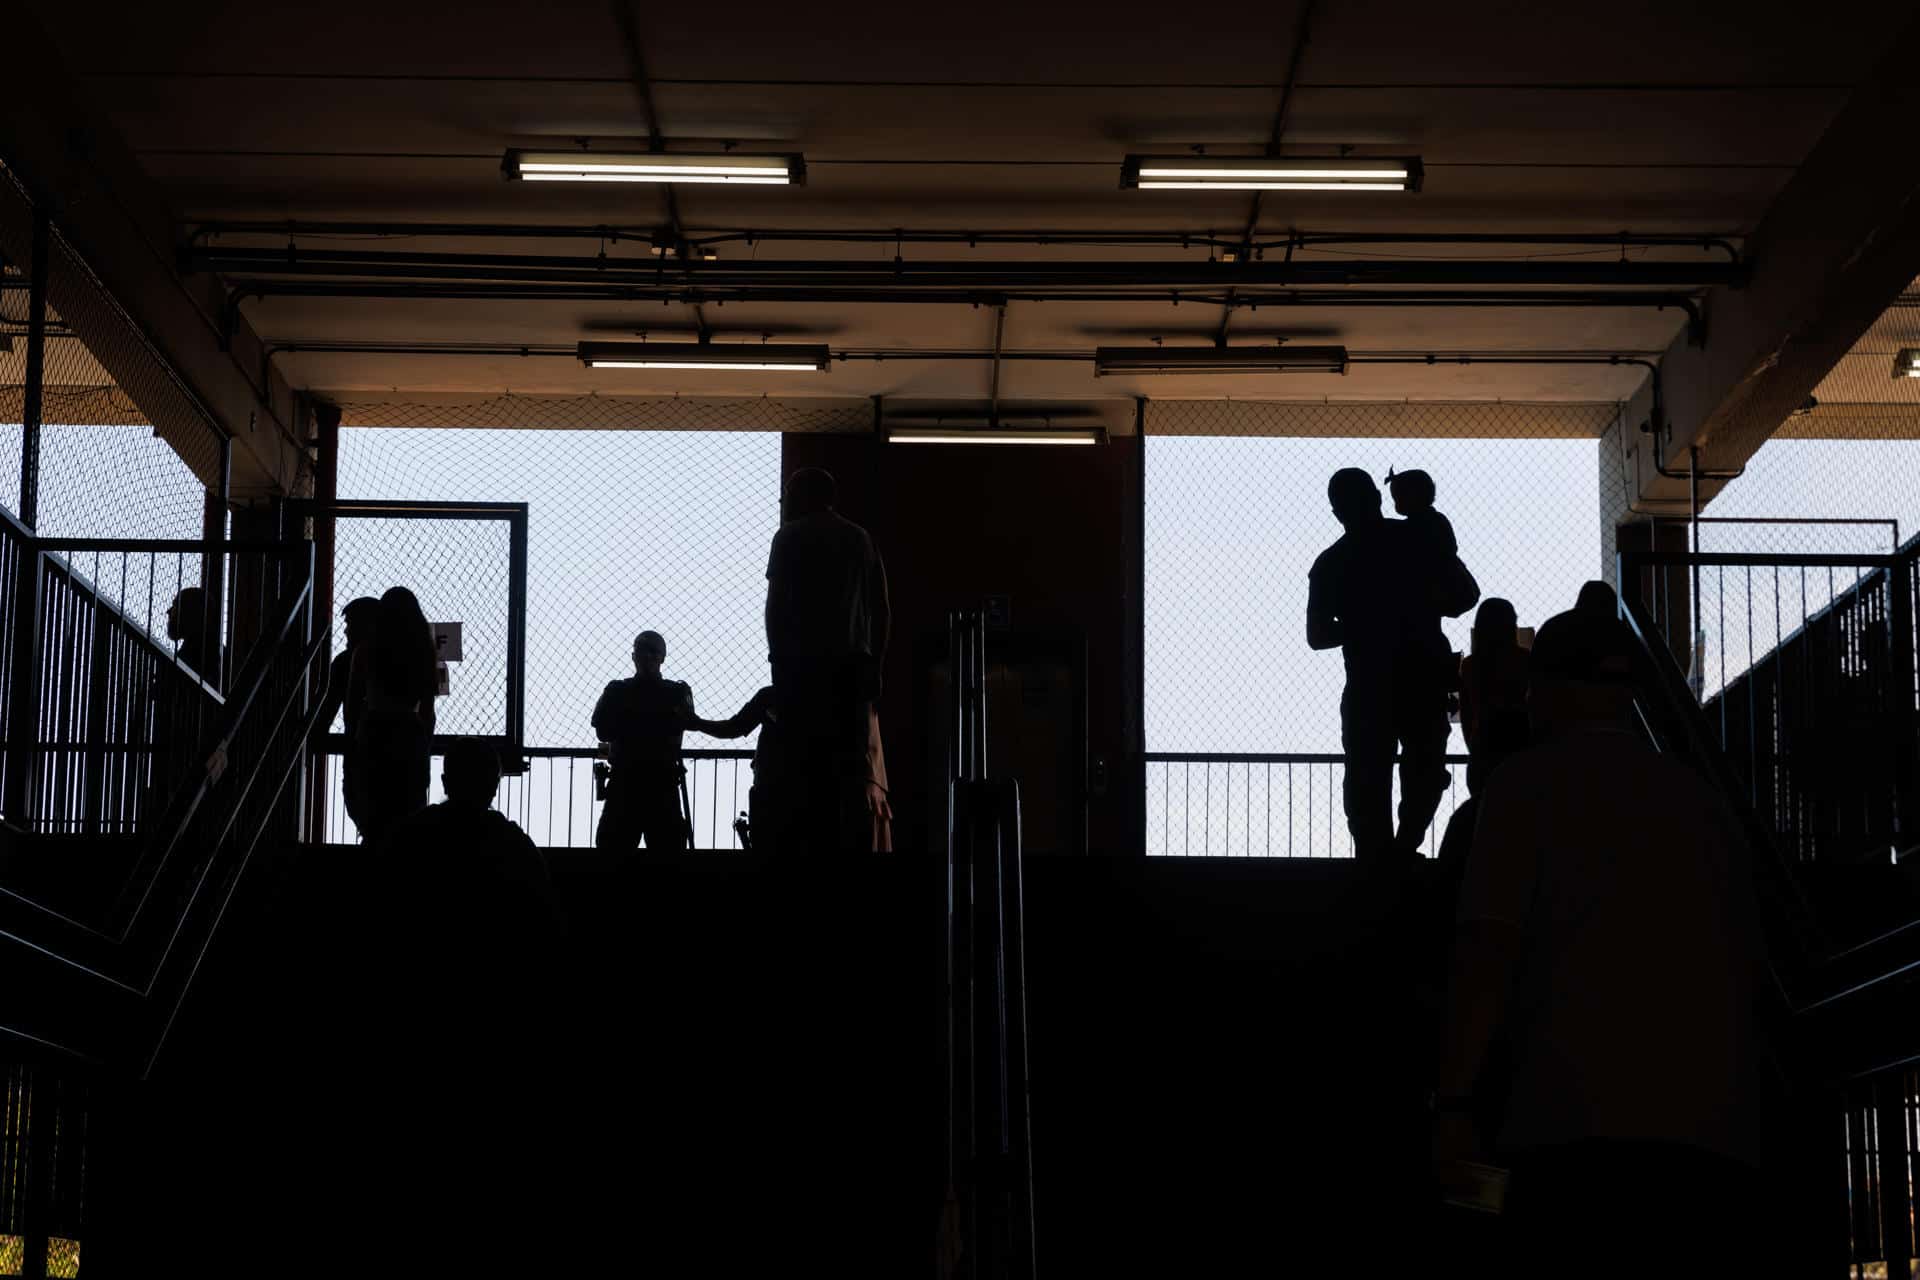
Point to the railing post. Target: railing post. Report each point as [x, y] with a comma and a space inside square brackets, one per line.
[517, 629]
[1896, 1223]
[1904, 686]
[23, 733]
[41, 1128]
[33, 398]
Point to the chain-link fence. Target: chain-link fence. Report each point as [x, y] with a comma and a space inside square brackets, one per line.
[123, 450]
[458, 561]
[1242, 718]
[627, 531]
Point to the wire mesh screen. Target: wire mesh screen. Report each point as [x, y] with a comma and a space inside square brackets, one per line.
[124, 450]
[627, 531]
[459, 569]
[1236, 512]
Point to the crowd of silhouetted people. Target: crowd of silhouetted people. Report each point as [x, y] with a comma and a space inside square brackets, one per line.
[819, 770]
[1598, 1077]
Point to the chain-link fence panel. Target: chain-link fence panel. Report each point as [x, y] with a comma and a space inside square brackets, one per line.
[627, 531]
[1242, 717]
[1236, 513]
[460, 569]
[124, 450]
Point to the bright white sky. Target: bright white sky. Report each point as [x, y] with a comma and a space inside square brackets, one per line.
[669, 530]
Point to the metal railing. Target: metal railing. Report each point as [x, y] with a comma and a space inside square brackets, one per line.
[1805, 669]
[553, 798]
[108, 979]
[102, 715]
[1264, 805]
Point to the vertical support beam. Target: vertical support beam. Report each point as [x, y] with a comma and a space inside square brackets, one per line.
[517, 630]
[23, 732]
[1903, 581]
[42, 1098]
[1896, 1225]
[33, 394]
[326, 491]
[1137, 694]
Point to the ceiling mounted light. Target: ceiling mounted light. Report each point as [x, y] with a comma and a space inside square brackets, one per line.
[1112, 360]
[767, 357]
[997, 435]
[1268, 173]
[1907, 363]
[608, 166]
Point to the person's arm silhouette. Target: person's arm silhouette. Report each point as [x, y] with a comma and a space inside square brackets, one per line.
[1323, 626]
[741, 723]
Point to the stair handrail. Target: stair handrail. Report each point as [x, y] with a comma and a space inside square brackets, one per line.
[153, 961]
[1820, 970]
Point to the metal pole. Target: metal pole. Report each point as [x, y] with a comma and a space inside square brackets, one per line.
[326, 491]
[517, 630]
[32, 397]
[1696, 633]
[1139, 627]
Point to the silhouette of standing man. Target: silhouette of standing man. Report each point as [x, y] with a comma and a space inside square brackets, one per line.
[827, 624]
[641, 720]
[1379, 600]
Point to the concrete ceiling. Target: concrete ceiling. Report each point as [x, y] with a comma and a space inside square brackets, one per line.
[1573, 118]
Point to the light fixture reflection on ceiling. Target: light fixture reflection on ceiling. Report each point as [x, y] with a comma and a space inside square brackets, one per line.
[1268, 173]
[608, 166]
[1907, 363]
[1149, 360]
[997, 435]
[761, 357]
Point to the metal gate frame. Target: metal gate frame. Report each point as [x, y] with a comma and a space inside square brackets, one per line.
[512, 743]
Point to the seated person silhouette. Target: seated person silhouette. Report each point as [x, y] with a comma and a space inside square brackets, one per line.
[641, 721]
[470, 867]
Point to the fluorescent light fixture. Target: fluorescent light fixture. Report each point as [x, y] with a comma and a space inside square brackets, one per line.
[763, 357]
[1268, 173]
[608, 166]
[1907, 363]
[1112, 360]
[997, 435]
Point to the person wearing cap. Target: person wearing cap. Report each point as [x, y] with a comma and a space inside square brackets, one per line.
[1372, 596]
[1608, 935]
[640, 722]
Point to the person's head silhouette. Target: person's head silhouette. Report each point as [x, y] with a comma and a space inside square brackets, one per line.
[186, 616]
[1496, 625]
[1353, 497]
[1580, 672]
[649, 652]
[1598, 599]
[810, 490]
[470, 774]
[361, 616]
[1412, 491]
